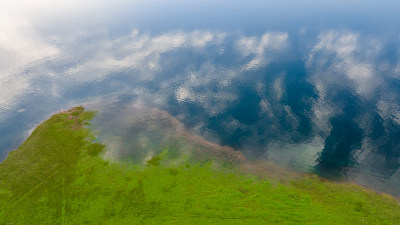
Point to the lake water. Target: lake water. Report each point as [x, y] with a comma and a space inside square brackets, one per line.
[311, 86]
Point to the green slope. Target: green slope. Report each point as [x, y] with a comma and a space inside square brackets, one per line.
[58, 177]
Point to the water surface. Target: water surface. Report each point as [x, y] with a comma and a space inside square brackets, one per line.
[311, 86]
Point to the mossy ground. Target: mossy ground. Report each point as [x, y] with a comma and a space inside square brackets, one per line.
[59, 177]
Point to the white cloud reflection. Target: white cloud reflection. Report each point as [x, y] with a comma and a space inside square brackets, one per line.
[342, 55]
[140, 52]
[20, 47]
[258, 47]
[66, 64]
[83, 58]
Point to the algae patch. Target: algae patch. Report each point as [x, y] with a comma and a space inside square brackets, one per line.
[58, 176]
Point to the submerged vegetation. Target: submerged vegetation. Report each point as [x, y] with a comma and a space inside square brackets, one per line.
[58, 176]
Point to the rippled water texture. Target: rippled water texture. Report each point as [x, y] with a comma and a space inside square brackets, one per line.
[315, 88]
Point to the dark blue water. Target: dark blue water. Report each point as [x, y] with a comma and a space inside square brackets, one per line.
[314, 86]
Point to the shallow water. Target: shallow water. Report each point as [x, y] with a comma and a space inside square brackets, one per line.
[314, 87]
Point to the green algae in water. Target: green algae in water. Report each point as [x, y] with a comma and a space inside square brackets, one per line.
[58, 176]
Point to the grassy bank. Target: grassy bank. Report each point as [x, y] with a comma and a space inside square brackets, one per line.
[59, 177]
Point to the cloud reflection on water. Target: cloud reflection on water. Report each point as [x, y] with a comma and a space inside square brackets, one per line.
[233, 89]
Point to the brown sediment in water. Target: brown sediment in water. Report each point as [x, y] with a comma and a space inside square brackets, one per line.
[162, 128]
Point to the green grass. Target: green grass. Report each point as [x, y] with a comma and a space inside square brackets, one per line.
[59, 177]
